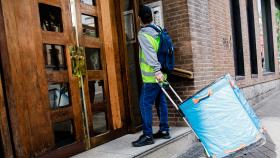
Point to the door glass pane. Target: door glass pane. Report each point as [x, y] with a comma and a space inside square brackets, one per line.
[90, 25]
[59, 95]
[64, 133]
[266, 36]
[50, 18]
[89, 2]
[54, 57]
[98, 106]
[129, 26]
[93, 59]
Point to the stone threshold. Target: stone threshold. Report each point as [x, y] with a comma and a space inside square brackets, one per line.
[122, 148]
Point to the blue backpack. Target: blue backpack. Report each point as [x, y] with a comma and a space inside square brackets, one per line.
[165, 52]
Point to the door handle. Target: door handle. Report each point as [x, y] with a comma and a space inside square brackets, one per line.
[78, 60]
[78, 63]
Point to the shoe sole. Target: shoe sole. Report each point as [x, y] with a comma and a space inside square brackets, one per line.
[166, 137]
[148, 143]
[163, 137]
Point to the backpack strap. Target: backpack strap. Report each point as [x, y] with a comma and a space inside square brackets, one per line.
[158, 29]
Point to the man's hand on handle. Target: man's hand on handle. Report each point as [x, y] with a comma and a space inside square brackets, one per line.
[159, 76]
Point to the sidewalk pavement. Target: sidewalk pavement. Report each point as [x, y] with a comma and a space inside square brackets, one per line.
[269, 112]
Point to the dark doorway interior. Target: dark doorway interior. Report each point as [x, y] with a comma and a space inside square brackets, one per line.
[1, 147]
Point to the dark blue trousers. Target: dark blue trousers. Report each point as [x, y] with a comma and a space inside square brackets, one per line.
[151, 93]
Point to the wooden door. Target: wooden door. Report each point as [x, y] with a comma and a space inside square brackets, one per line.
[98, 113]
[96, 34]
[50, 108]
[64, 98]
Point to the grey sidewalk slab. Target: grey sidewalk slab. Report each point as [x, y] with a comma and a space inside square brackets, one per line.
[122, 148]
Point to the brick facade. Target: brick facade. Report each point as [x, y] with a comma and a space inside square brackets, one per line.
[202, 34]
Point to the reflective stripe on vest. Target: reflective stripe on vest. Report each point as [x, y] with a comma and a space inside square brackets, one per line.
[147, 71]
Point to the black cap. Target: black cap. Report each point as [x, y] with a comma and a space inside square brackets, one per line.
[145, 14]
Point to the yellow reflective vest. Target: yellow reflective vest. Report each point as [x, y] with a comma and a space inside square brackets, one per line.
[147, 71]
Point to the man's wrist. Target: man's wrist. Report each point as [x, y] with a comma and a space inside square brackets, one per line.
[158, 73]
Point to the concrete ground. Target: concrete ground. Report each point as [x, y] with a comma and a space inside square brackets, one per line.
[269, 112]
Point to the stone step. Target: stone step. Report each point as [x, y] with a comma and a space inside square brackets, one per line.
[172, 148]
[181, 140]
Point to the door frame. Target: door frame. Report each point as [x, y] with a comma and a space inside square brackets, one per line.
[4, 124]
[124, 61]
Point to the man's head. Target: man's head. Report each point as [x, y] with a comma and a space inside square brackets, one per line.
[145, 14]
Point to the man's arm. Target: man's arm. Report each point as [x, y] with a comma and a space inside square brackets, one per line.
[149, 52]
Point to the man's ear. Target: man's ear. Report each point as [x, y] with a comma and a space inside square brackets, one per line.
[140, 21]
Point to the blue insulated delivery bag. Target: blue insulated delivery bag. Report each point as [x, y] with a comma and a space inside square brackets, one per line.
[222, 119]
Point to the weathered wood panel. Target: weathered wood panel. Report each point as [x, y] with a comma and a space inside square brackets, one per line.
[11, 71]
[54, 38]
[95, 75]
[75, 99]
[62, 114]
[111, 50]
[27, 95]
[4, 127]
[77, 108]
[89, 10]
[59, 76]
[51, 2]
[90, 42]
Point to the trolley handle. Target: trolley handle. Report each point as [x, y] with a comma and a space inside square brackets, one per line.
[197, 100]
[165, 84]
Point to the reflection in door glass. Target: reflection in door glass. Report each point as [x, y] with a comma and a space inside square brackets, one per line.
[59, 95]
[54, 57]
[129, 26]
[90, 26]
[64, 133]
[93, 58]
[50, 18]
[98, 106]
[89, 2]
[277, 15]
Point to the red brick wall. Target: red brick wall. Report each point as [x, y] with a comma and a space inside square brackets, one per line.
[201, 41]
[220, 21]
[176, 21]
[220, 25]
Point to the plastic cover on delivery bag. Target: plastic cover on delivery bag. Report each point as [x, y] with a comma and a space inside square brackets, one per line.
[222, 119]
